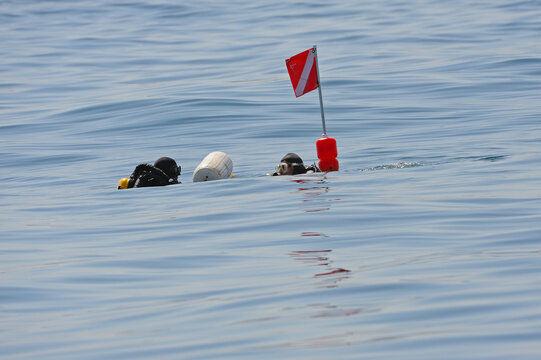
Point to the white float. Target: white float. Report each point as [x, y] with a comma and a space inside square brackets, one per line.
[215, 166]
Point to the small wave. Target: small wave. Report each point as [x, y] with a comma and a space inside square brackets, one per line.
[405, 165]
[398, 165]
[491, 158]
[108, 108]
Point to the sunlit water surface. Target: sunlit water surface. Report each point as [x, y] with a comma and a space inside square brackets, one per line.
[425, 245]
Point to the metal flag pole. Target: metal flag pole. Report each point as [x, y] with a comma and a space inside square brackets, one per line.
[320, 96]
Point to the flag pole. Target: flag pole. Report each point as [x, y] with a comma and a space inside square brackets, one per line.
[320, 96]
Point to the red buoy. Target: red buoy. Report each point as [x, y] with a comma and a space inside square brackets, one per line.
[327, 153]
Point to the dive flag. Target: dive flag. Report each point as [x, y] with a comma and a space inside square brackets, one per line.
[302, 70]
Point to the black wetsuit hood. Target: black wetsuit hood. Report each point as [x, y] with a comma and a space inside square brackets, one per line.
[298, 165]
[168, 166]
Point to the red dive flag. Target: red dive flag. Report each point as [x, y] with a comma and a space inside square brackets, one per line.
[302, 70]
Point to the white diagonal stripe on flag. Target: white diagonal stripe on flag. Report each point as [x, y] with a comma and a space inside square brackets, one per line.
[299, 90]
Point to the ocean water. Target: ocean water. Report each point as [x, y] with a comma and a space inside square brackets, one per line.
[425, 245]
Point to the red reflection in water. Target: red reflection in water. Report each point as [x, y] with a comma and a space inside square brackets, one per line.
[307, 181]
[317, 189]
[316, 210]
[304, 256]
[335, 271]
[314, 257]
[311, 233]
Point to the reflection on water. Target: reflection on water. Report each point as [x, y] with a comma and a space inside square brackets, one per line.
[312, 189]
[313, 257]
[332, 272]
[311, 233]
[330, 276]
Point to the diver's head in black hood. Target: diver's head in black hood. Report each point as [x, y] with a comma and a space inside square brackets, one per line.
[291, 164]
[168, 166]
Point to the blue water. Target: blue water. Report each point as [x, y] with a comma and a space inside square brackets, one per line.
[425, 245]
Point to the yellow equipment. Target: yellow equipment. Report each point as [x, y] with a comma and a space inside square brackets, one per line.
[123, 183]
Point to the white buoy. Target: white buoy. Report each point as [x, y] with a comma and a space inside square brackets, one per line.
[215, 166]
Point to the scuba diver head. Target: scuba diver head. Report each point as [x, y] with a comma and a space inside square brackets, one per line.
[291, 164]
[169, 167]
[165, 171]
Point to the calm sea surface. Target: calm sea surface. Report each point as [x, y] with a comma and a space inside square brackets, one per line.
[425, 245]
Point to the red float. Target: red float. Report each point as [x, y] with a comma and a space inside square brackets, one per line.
[327, 153]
